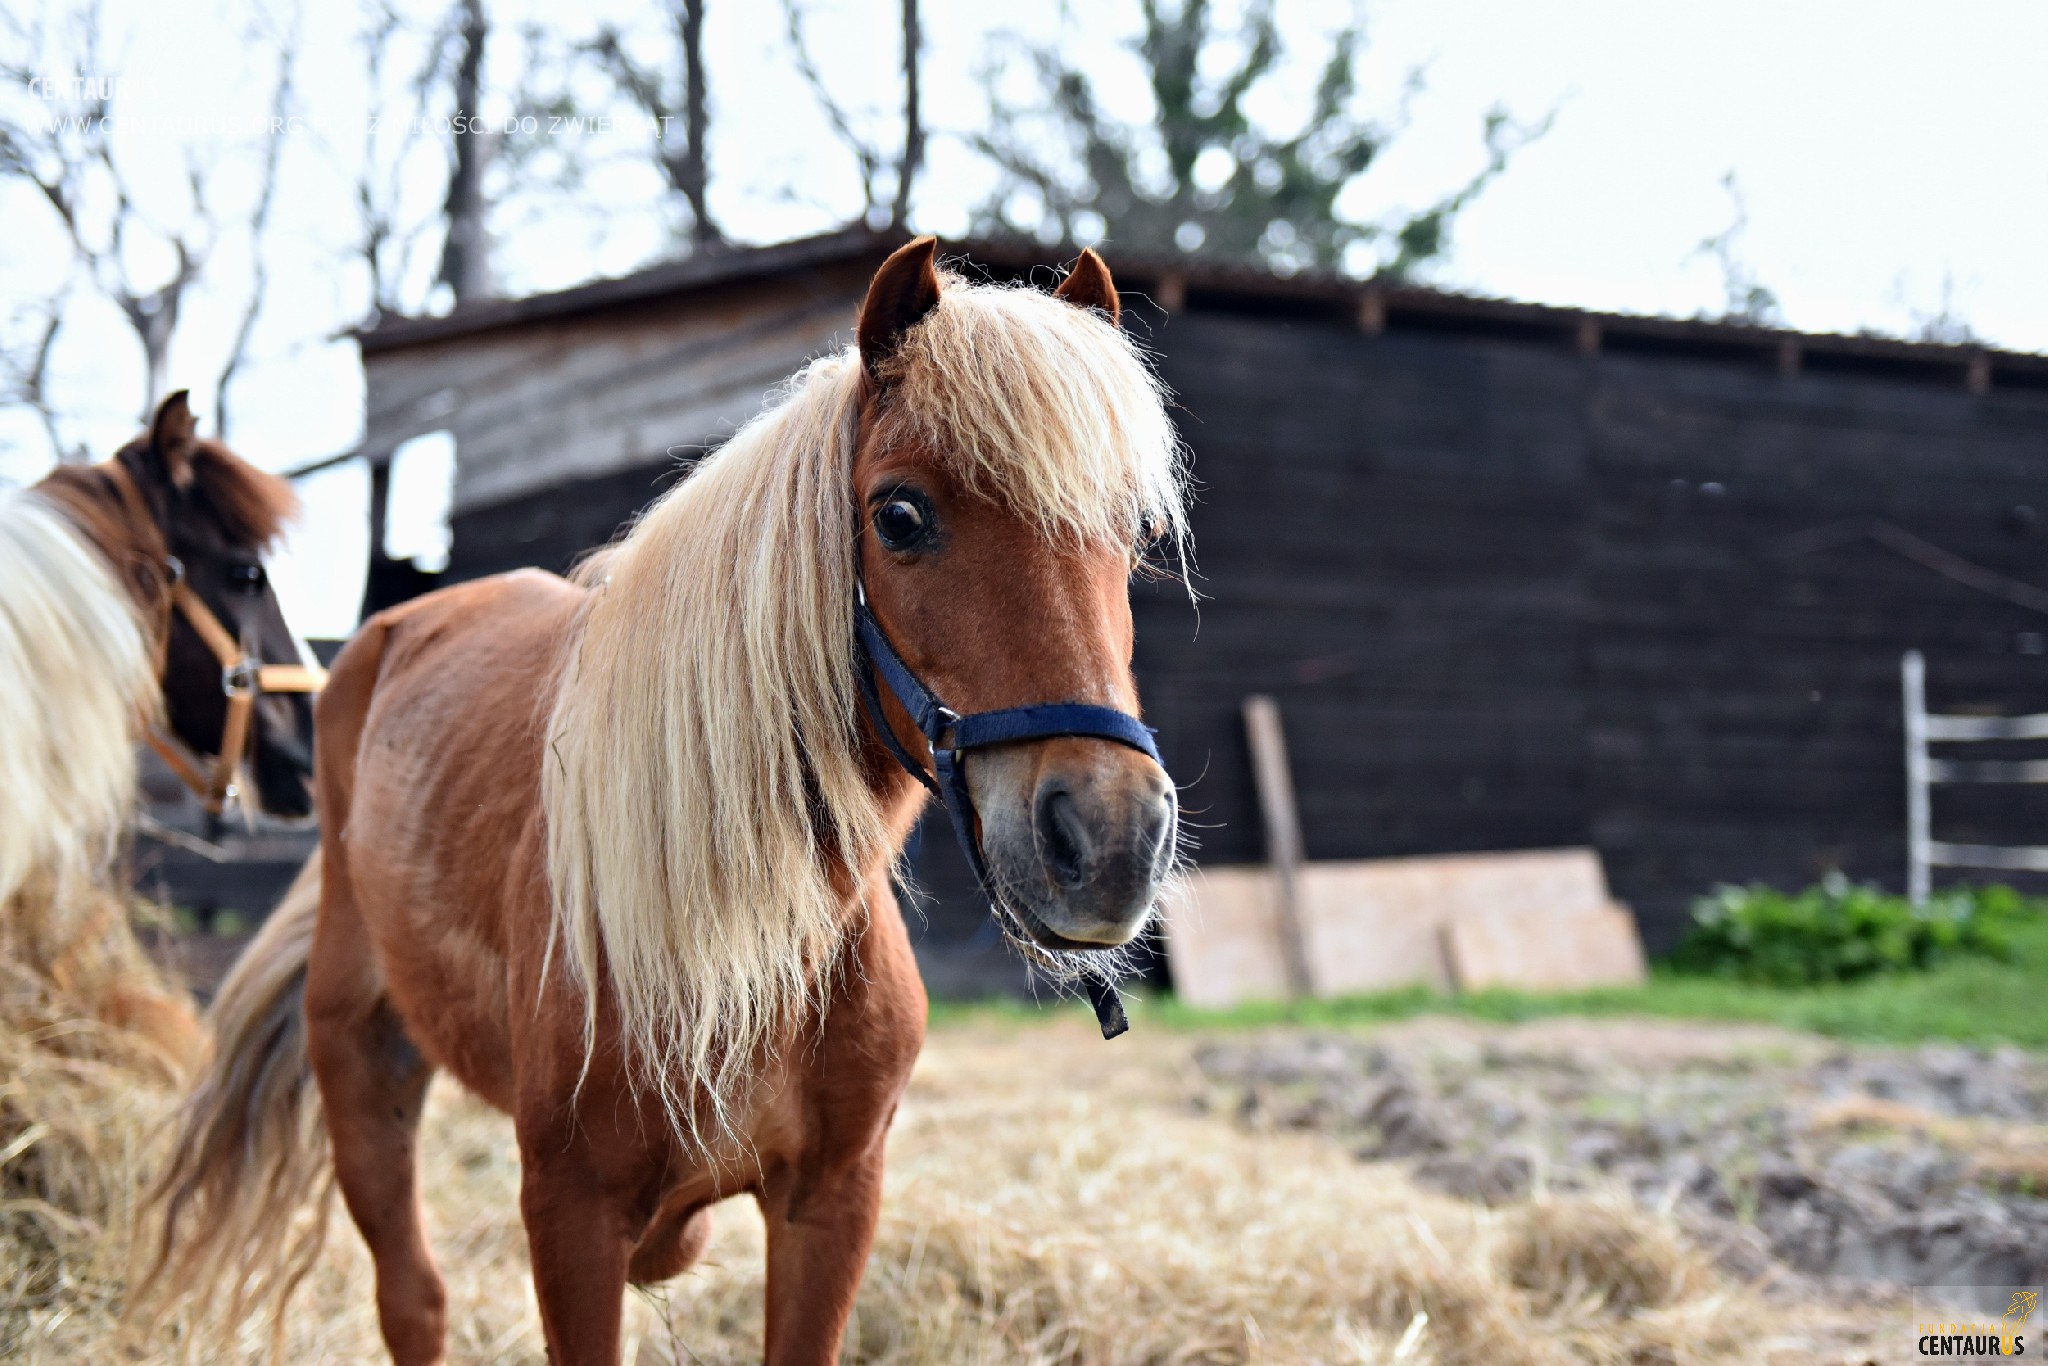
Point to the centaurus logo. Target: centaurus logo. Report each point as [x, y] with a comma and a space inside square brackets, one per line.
[1982, 1338]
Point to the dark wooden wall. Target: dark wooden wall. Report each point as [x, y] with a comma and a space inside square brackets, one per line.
[1511, 596]
[1742, 653]
[1387, 540]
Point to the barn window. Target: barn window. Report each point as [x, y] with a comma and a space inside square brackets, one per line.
[422, 493]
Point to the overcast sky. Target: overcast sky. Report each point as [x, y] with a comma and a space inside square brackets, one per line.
[1891, 157]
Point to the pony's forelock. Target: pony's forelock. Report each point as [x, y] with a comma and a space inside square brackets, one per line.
[1043, 406]
[709, 821]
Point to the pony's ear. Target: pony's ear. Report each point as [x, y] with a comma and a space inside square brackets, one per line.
[1088, 286]
[902, 292]
[174, 437]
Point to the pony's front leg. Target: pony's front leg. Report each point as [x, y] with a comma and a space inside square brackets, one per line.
[820, 1227]
[581, 1237]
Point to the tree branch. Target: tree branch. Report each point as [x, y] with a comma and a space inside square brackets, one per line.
[283, 96]
[870, 160]
[913, 123]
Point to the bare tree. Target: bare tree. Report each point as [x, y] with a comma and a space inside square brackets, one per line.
[912, 160]
[68, 158]
[383, 243]
[283, 99]
[868, 155]
[25, 368]
[406, 71]
[647, 86]
[465, 248]
[1744, 298]
[418, 230]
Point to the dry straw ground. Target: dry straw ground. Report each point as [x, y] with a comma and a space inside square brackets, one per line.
[1051, 1198]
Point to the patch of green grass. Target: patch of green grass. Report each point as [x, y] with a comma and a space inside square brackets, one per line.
[1842, 931]
[1974, 1000]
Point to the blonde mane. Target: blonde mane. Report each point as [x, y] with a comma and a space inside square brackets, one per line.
[709, 827]
[75, 680]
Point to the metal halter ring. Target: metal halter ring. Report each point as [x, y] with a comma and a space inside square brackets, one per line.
[240, 678]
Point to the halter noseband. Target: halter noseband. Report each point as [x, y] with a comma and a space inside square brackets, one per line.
[951, 735]
[243, 677]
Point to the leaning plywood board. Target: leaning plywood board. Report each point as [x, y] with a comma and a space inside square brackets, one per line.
[1592, 946]
[1537, 920]
[1371, 926]
[1223, 937]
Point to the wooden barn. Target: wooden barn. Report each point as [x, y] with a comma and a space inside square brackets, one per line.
[1520, 577]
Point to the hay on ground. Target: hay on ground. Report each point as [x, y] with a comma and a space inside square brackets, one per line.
[1050, 1200]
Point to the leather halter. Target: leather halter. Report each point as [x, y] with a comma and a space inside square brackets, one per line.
[243, 677]
[951, 735]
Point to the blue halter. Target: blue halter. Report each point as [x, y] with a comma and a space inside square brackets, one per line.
[952, 735]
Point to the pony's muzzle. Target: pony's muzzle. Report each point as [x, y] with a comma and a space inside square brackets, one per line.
[1079, 833]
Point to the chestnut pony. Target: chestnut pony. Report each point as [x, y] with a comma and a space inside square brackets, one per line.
[95, 648]
[615, 852]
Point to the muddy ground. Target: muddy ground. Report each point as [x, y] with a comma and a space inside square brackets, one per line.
[1810, 1168]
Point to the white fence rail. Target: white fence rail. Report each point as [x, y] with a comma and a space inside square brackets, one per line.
[1923, 770]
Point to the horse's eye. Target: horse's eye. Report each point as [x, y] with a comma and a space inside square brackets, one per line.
[246, 576]
[902, 522]
[1151, 530]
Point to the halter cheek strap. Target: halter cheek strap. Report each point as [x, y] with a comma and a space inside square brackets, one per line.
[243, 678]
[952, 735]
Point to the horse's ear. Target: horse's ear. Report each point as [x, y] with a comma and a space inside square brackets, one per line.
[1088, 286]
[174, 436]
[902, 292]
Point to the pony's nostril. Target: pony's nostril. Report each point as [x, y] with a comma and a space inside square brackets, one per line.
[1062, 838]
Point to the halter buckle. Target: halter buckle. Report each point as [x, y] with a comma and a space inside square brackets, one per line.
[240, 678]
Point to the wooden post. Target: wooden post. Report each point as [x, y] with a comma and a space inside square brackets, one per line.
[1283, 830]
[1789, 360]
[1170, 292]
[1372, 311]
[1586, 337]
[1977, 375]
[1913, 677]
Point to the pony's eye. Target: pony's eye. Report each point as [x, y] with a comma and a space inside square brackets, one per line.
[246, 576]
[902, 522]
[1151, 530]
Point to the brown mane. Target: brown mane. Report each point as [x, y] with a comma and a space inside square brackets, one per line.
[249, 506]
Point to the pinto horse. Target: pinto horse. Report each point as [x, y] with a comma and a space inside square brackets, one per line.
[615, 851]
[126, 587]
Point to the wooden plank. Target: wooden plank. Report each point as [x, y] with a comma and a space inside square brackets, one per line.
[1222, 940]
[1576, 950]
[2018, 858]
[1987, 770]
[1534, 920]
[2033, 727]
[1372, 925]
[1283, 830]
